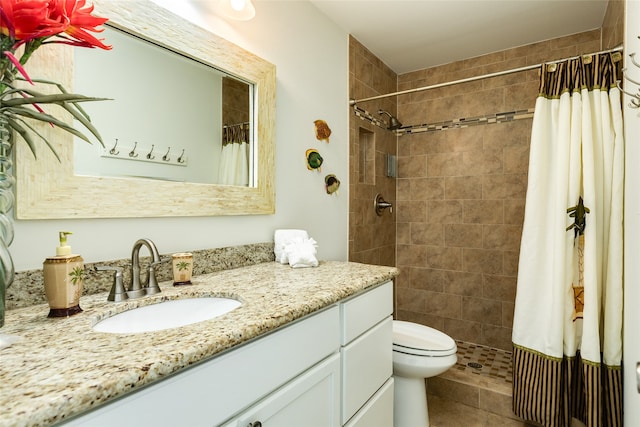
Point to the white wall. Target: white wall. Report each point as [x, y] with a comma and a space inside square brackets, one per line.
[631, 353]
[311, 57]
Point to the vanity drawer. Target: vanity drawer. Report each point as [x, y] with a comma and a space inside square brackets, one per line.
[366, 365]
[378, 411]
[362, 312]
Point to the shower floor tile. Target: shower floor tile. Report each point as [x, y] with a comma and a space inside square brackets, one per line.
[486, 362]
[476, 392]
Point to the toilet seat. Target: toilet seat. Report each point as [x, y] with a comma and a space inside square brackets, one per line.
[420, 340]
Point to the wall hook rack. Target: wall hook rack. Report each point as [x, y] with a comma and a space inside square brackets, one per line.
[150, 157]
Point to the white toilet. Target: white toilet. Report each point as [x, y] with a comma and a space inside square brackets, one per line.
[419, 352]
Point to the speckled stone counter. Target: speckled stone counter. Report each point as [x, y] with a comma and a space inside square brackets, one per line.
[61, 367]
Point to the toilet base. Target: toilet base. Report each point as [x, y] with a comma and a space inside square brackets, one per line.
[410, 402]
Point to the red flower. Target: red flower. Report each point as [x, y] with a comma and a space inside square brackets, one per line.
[80, 22]
[24, 20]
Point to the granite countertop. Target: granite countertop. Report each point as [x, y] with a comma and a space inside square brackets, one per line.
[61, 367]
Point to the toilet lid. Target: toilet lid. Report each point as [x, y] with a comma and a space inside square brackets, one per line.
[421, 340]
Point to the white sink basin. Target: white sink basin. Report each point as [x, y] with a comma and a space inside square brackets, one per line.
[166, 315]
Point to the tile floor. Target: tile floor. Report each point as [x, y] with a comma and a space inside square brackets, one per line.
[476, 392]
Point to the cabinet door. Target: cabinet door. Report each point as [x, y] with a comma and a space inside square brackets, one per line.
[310, 400]
[366, 365]
[378, 411]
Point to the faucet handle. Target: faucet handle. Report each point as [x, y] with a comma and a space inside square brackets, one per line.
[152, 283]
[118, 292]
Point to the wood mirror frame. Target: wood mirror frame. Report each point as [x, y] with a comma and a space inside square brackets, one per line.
[48, 189]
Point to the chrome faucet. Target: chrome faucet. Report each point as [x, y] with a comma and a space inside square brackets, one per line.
[151, 285]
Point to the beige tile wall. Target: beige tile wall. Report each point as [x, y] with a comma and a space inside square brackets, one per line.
[613, 24]
[461, 192]
[372, 238]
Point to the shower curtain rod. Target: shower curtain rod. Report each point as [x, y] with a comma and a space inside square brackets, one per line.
[353, 102]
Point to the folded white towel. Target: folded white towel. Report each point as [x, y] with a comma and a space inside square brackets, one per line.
[284, 237]
[302, 253]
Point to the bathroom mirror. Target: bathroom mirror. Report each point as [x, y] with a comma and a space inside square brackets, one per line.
[46, 188]
[147, 130]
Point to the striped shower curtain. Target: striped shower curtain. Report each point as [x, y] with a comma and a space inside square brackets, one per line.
[567, 331]
[234, 159]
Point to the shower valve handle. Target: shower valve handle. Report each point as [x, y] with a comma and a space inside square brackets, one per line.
[380, 205]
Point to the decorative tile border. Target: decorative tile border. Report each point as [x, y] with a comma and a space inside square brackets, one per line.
[365, 115]
[469, 121]
[459, 123]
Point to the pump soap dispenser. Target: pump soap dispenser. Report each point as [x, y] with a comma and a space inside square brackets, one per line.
[63, 280]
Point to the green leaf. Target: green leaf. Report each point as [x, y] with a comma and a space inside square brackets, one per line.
[44, 117]
[25, 135]
[84, 120]
[16, 103]
[63, 90]
[25, 129]
[59, 98]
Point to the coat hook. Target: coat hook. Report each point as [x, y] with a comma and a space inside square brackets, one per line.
[133, 153]
[633, 59]
[113, 150]
[181, 158]
[629, 78]
[166, 157]
[635, 98]
[149, 155]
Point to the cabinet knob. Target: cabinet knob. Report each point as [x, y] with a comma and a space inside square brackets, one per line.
[255, 424]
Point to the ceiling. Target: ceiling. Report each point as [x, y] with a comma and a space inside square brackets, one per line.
[417, 34]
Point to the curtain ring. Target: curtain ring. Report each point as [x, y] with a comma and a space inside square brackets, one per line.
[113, 151]
[133, 153]
[150, 156]
[166, 157]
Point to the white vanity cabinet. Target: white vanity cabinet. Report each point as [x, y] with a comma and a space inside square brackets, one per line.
[353, 388]
[329, 369]
[366, 358]
[211, 392]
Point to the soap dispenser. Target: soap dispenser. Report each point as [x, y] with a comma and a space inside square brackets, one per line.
[63, 280]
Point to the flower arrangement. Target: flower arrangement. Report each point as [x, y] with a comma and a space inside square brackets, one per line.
[25, 26]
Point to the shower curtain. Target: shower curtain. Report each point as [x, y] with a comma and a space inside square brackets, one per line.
[234, 159]
[567, 328]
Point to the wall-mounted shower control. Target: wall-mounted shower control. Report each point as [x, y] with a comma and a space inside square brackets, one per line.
[380, 205]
